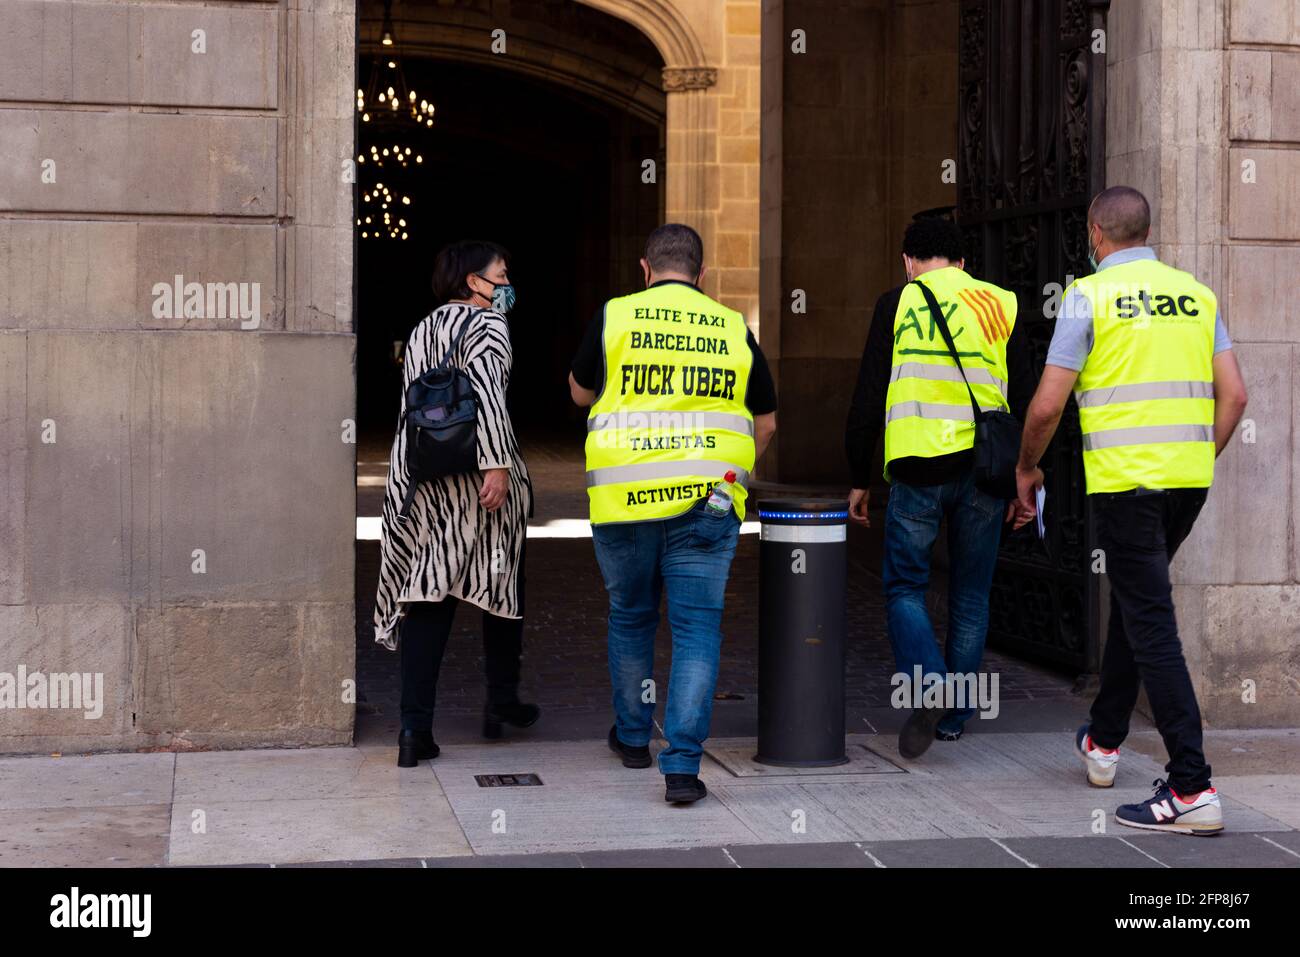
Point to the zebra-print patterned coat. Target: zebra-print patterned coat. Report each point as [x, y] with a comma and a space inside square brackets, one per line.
[450, 544]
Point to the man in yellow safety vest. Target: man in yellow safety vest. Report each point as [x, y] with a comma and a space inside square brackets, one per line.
[682, 405]
[911, 383]
[1145, 351]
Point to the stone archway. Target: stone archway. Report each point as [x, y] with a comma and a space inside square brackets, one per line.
[711, 80]
[707, 95]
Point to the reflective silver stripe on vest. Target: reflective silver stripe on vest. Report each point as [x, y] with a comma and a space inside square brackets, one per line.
[653, 471]
[1147, 435]
[1141, 391]
[671, 420]
[938, 373]
[934, 410]
[802, 534]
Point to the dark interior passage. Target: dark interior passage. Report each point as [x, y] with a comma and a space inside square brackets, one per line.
[551, 174]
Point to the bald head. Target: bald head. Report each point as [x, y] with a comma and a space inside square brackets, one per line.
[1123, 216]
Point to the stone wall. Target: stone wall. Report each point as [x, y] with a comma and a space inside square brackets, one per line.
[1203, 116]
[856, 128]
[177, 500]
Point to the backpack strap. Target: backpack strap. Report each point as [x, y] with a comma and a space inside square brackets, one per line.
[405, 511]
[455, 342]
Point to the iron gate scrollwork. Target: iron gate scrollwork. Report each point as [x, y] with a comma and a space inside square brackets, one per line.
[1031, 125]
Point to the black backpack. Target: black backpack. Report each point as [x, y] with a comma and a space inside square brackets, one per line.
[441, 422]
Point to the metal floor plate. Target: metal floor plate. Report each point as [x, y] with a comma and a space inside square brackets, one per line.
[737, 756]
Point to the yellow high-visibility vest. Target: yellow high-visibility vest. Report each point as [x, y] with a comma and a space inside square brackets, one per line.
[670, 419]
[927, 408]
[1146, 391]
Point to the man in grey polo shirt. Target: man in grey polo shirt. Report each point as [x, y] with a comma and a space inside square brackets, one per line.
[1160, 395]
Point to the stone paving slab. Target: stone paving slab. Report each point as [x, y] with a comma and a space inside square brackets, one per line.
[1229, 849]
[1092, 851]
[960, 852]
[786, 813]
[506, 860]
[896, 808]
[690, 857]
[297, 774]
[285, 806]
[86, 781]
[842, 855]
[130, 836]
[1271, 794]
[280, 831]
[992, 757]
[1288, 840]
[588, 802]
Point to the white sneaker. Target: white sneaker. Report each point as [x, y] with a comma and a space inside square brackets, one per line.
[1166, 811]
[1102, 764]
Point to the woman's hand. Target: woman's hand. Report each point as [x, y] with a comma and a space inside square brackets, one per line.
[495, 484]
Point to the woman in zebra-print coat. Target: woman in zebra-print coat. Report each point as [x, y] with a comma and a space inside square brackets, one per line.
[464, 537]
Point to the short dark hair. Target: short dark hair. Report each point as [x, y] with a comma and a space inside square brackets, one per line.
[932, 236]
[1123, 214]
[675, 247]
[457, 260]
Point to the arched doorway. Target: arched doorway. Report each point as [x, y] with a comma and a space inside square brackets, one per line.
[540, 147]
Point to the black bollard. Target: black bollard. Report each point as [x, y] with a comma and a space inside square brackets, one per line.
[803, 565]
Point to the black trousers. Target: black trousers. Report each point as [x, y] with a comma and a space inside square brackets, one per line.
[425, 630]
[1138, 535]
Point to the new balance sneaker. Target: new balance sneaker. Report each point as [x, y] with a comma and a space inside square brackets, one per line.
[1101, 763]
[1166, 811]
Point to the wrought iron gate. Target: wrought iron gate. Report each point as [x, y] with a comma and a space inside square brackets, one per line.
[1031, 126]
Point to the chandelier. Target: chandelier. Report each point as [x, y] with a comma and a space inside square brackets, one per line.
[394, 113]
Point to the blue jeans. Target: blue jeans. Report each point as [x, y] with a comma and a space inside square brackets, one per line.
[690, 557]
[912, 520]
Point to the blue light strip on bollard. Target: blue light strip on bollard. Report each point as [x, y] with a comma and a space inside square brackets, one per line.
[802, 515]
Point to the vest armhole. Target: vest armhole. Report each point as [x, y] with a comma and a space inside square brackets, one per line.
[604, 357]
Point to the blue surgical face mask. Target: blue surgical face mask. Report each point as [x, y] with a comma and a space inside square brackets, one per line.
[503, 295]
[1092, 254]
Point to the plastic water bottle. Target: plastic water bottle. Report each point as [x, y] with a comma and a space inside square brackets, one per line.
[723, 493]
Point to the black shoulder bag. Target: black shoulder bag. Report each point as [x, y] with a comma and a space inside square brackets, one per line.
[441, 422]
[997, 433]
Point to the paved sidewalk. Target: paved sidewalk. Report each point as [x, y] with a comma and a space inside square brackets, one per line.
[997, 798]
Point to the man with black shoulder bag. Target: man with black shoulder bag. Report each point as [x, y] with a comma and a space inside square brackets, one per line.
[941, 373]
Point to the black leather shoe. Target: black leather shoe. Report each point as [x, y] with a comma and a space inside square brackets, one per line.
[918, 731]
[683, 788]
[517, 715]
[632, 757]
[414, 747]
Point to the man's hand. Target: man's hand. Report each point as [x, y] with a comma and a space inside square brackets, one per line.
[1028, 482]
[858, 499]
[495, 484]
